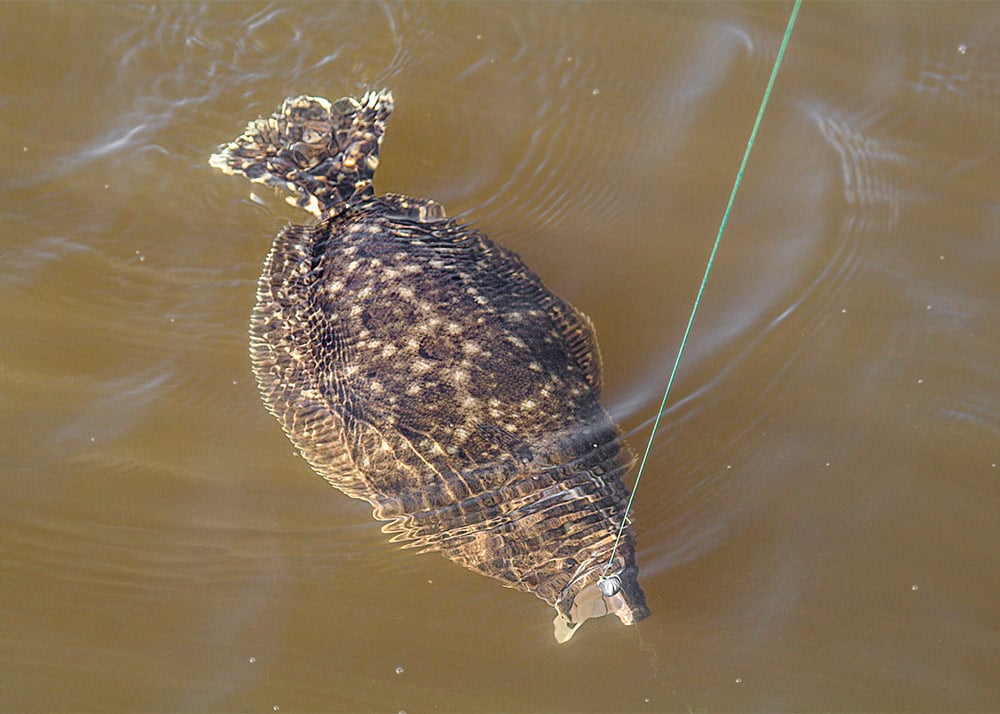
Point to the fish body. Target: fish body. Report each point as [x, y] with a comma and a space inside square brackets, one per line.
[423, 368]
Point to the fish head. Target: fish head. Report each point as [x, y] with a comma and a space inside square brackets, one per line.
[618, 594]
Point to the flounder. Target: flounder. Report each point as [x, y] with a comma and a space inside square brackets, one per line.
[423, 368]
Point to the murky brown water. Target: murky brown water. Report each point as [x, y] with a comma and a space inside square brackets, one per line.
[819, 524]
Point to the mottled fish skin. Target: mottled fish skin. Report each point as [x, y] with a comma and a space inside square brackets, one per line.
[421, 367]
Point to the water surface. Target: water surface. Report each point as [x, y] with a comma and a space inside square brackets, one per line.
[818, 524]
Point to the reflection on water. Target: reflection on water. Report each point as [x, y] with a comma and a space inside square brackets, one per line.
[817, 521]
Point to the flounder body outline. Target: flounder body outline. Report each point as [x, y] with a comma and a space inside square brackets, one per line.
[423, 368]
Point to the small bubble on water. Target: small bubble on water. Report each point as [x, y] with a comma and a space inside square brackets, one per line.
[962, 49]
[596, 91]
[276, 708]
[914, 587]
[399, 670]
[252, 660]
[739, 680]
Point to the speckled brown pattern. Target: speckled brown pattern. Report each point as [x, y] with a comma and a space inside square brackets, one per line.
[421, 367]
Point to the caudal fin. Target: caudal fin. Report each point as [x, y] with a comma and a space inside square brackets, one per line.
[324, 154]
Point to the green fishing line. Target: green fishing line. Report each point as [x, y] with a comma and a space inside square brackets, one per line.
[708, 269]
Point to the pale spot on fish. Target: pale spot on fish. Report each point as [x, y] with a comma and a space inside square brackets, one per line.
[420, 366]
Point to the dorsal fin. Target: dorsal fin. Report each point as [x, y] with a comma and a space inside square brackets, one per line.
[325, 154]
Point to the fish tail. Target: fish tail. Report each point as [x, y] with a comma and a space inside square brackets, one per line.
[324, 153]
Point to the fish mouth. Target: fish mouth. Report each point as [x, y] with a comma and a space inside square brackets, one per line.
[619, 594]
